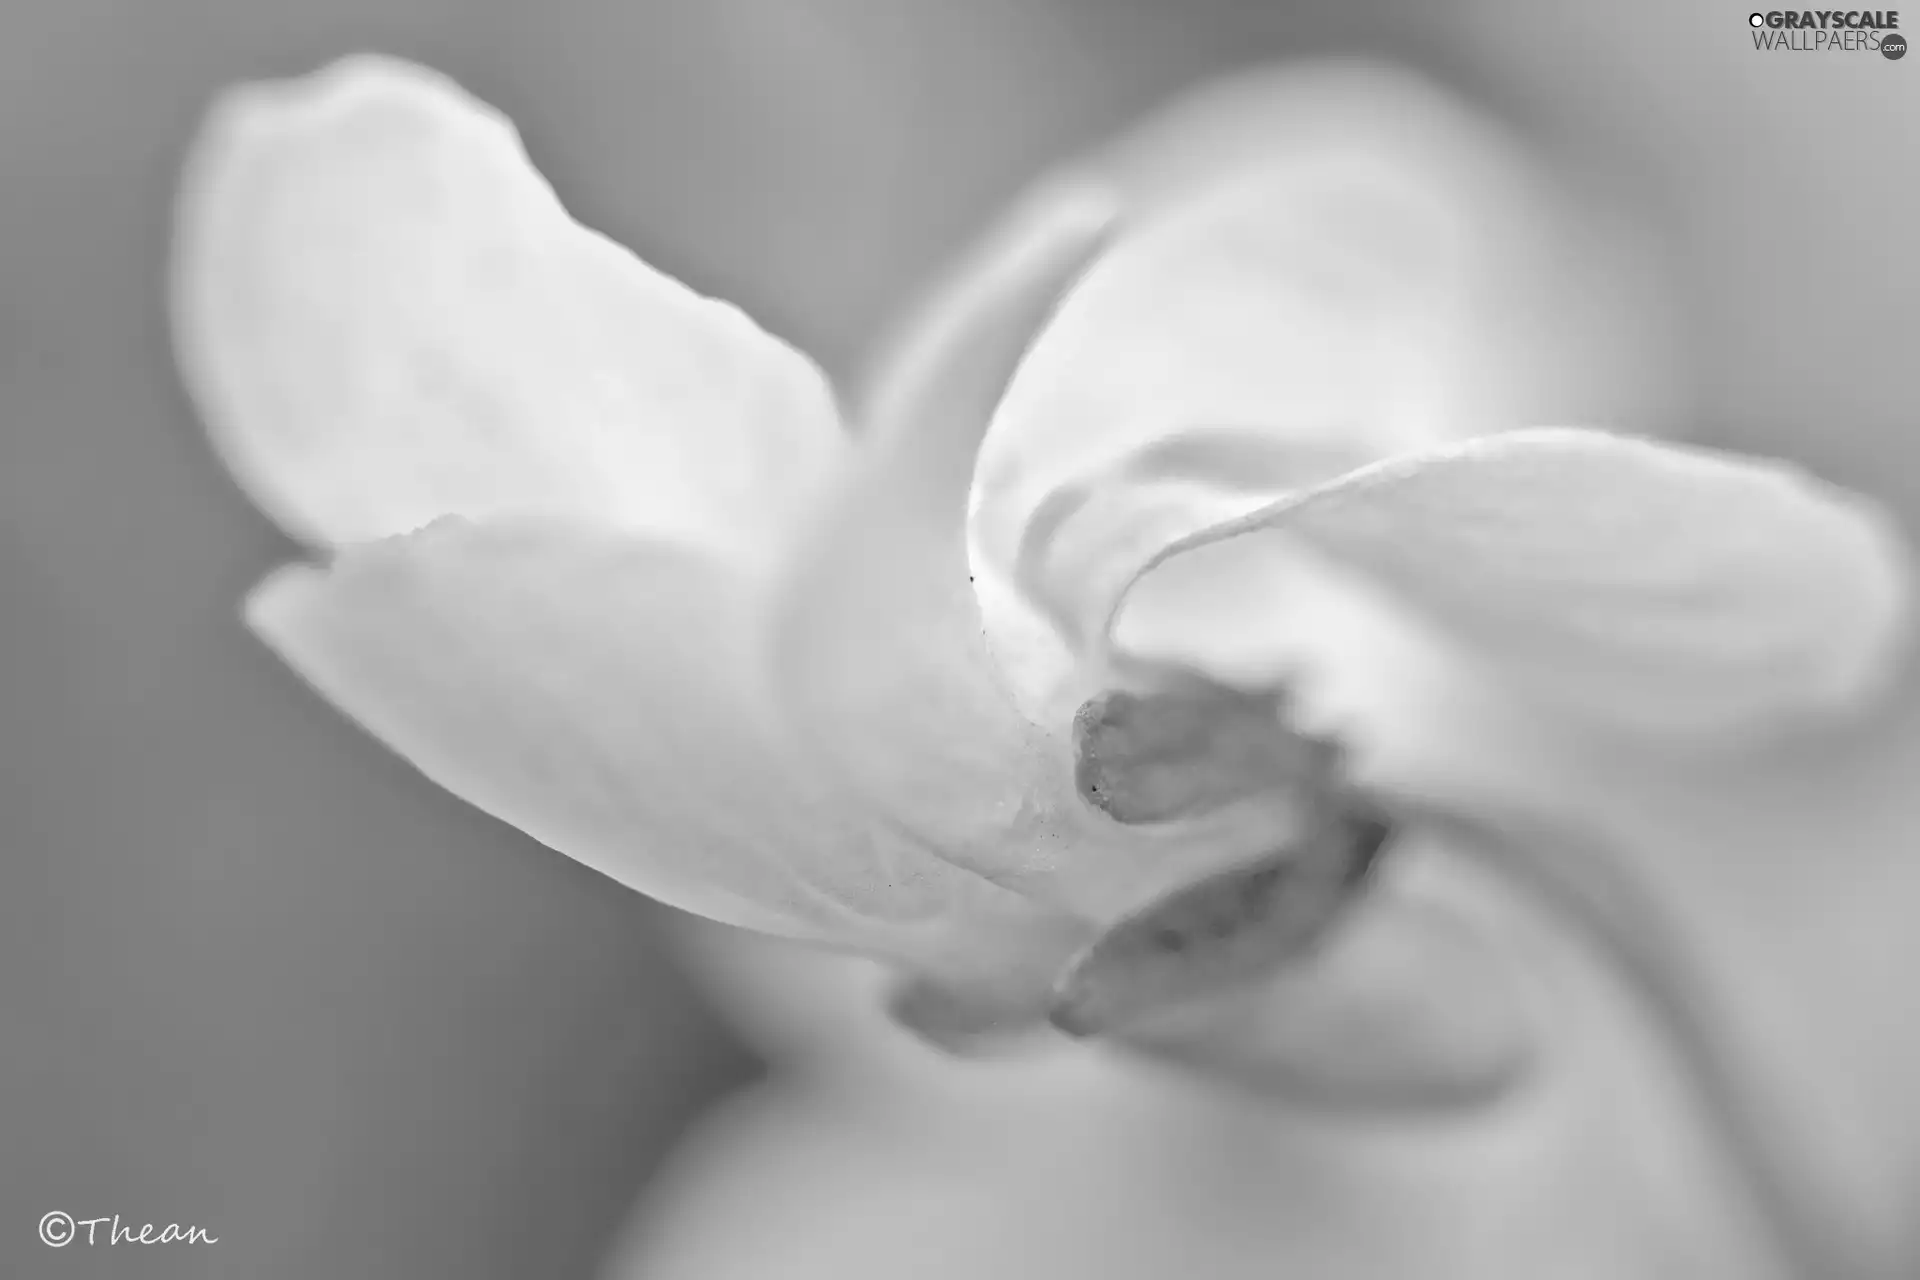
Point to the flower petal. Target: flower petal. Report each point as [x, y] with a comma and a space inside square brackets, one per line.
[1364, 965]
[1086, 1170]
[1644, 584]
[1408, 1008]
[599, 692]
[1324, 265]
[883, 658]
[385, 315]
[879, 641]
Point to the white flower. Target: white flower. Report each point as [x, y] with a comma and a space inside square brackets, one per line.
[601, 558]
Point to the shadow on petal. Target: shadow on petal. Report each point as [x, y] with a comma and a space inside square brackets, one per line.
[1405, 1009]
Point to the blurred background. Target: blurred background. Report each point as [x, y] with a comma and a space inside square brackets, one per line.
[258, 976]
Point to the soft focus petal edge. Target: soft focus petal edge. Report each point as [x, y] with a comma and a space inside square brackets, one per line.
[385, 314]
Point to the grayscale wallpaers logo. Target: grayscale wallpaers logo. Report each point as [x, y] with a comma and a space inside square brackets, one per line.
[1829, 31]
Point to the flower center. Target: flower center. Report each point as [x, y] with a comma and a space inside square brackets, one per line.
[1228, 929]
[1191, 749]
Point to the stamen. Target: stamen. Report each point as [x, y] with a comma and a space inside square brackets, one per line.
[1230, 929]
[1180, 753]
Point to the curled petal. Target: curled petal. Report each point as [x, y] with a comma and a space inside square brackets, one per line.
[879, 639]
[1648, 585]
[1084, 540]
[385, 315]
[884, 659]
[1406, 1008]
[1333, 972]
[1599, 890]
[599, 692]
[1324, 265]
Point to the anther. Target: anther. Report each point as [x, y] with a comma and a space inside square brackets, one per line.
[1189, 750]
[1229, 929]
